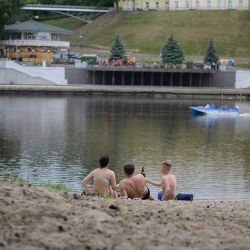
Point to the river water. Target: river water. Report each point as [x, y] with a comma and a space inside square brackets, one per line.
[59, 139]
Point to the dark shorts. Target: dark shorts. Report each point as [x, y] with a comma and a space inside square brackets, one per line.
[147, 195]
[159, 197]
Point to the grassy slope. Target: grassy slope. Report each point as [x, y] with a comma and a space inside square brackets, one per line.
[148, 31]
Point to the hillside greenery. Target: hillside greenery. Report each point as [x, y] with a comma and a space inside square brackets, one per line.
[148, 31]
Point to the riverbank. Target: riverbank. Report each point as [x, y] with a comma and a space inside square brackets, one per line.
[153, 91]
[40, 218]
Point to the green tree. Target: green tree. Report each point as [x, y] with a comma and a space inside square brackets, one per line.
[172, 52]
[9, 9]
[211, 53]
[117, 50]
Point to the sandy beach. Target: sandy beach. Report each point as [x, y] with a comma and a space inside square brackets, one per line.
[39, 218]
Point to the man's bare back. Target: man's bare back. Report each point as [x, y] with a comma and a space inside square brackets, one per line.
[168, 187]
[134, 187]
[167, 183]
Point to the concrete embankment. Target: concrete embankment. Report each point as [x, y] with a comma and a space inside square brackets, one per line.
[149, 91]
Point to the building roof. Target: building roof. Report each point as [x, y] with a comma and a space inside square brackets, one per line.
[34, 26]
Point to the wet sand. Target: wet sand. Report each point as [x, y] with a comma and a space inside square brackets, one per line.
[40, 218]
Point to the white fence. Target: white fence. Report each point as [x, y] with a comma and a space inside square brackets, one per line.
[50, 43]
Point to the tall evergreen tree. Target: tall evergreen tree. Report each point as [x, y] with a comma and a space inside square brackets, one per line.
[172, 52]
[211, 53]
[117, 50]
[9, 9]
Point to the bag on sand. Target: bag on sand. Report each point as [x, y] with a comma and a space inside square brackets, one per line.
[184, 197]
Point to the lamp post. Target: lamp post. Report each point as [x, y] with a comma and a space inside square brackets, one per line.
[16, 52]
[81, 38]
[33, 54]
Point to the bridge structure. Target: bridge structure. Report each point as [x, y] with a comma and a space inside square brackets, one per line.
[71, 11]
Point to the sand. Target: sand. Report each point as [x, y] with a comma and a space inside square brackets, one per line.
[39, 218]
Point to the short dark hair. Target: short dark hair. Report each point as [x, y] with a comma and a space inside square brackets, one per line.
[129, 169]
[104, 161]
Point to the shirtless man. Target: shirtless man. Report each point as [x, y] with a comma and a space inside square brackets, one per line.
[134, 186]
[103, 179]
[167, 184]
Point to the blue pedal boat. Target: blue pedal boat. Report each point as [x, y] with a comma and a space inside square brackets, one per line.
[212, 110]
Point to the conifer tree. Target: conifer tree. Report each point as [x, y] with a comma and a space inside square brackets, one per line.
[211, 53]
[172, 52]
[117, 50]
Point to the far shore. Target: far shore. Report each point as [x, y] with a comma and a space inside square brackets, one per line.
[152, 91]
[41, 218]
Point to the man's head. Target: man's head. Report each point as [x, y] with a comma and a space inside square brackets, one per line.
[129, 169]
[166, 166]
[104, 161]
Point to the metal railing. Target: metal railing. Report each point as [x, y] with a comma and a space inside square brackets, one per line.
[65, 7]
[49, 43]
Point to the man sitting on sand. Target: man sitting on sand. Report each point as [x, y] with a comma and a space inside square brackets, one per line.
[134, 186]
[103, 179]
[167, 184]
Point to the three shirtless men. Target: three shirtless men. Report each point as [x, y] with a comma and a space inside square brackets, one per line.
[133, 186]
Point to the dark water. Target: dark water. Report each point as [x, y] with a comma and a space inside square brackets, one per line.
[50, 139]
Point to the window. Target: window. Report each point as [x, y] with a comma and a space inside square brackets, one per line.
[54, 37]
[167, 5]
[157, 5]
[197, 4]
[241, 3]
[218, 4]
[176, 4]
[126, 5]
[147, 5]
[15, 35]
[209, 4]
[229, 4]
[137, 5]
[187, 4]
[7, 36]
[29, 36]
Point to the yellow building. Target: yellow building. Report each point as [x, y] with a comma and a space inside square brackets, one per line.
[132, 5]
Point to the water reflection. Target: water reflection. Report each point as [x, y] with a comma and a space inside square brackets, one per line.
[60, 139]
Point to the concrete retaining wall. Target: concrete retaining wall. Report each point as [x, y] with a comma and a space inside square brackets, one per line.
[82, 76]
[55, 74]
[223, 79]
[11, 76]
[242, 79]
[76, 75]
[12, 72]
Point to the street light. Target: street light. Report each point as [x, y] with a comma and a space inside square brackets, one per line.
[33, 54]
[18, 54]
[81, 37]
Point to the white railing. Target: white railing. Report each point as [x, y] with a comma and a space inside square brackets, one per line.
[50, 43]
[68, 8]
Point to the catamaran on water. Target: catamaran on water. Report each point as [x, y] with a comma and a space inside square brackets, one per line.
[211, 109]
